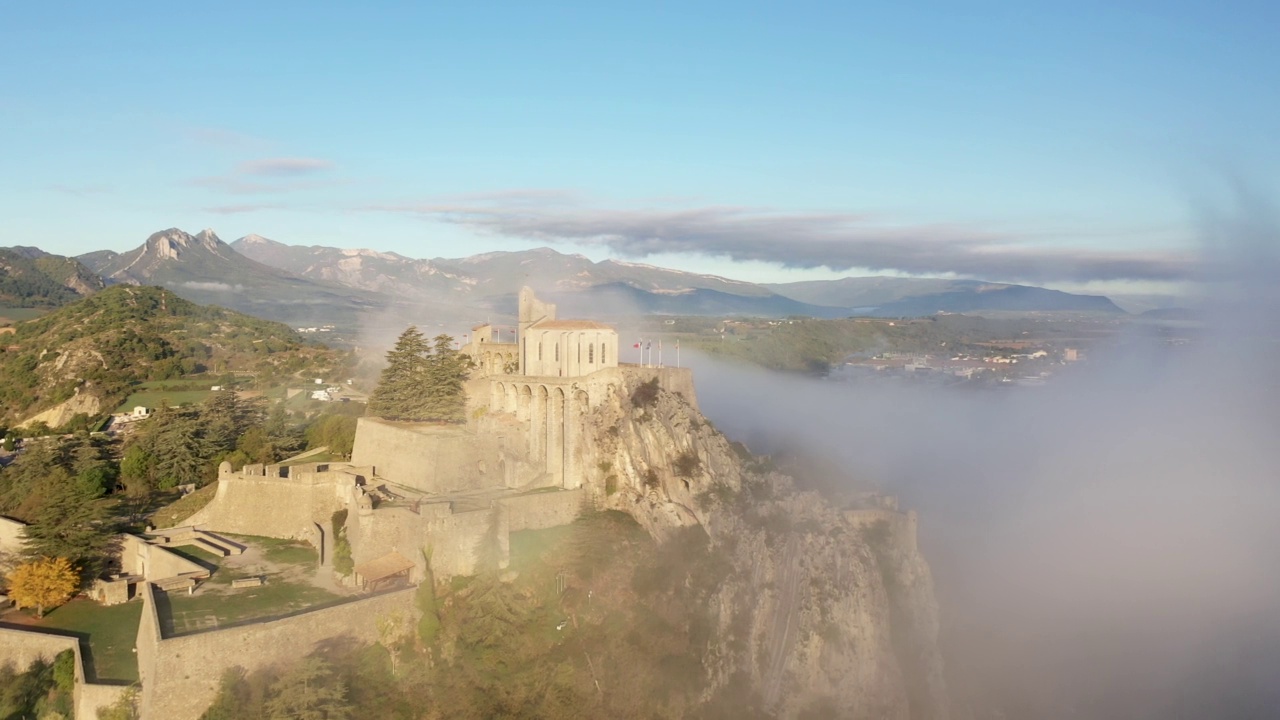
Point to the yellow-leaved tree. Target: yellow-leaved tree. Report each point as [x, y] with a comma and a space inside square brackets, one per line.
[43, 583]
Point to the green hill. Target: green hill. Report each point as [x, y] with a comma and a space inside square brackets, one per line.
[85, 357]
[31, 278]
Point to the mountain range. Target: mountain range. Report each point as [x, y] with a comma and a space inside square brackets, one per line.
[346, 287]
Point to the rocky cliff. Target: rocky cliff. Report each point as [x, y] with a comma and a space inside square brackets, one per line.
[822, 611]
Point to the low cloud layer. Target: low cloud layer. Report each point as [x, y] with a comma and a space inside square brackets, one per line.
[1104, 545]
[805, 240]
[213, 286]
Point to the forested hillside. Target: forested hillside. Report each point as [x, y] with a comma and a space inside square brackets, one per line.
[32, 278]
[96, 349]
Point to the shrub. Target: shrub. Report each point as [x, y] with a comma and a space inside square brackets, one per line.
[687, 464]
[343, 564]
[651, 479]
[645, 394]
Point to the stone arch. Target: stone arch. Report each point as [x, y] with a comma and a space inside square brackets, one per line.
[498, 398]
[511, 401]
[556, 433]
[524, 403]
[538, 436]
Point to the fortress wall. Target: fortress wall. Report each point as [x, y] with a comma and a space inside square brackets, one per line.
[146, 646]
[456, 539]
[543, 510]
[137, 557]
[21, 647]
[430, 458]
[183, 673]
[373, 534]
[92, 696]
[273, 507]
[673, 380]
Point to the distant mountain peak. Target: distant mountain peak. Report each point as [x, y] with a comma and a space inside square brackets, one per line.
[255, 239]
[365, 252]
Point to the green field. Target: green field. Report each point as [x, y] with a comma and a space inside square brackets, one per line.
[111, 633]
[13, 315]
[155, 393]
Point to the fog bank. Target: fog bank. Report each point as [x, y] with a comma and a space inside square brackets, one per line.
[1104, 545]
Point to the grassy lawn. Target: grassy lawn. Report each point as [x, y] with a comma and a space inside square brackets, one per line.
[190, 613]
[111, 631]
[196, 555]
[276, 550]
[173, 514]
[181, 613]
[323, 457]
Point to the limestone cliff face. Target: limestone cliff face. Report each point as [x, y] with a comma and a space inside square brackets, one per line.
[825, 610]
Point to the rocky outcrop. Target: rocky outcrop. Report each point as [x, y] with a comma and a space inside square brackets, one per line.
[63, 412]
[823, 610]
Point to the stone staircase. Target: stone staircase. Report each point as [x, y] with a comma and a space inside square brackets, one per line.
[203, 539]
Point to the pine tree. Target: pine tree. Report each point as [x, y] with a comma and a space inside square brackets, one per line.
[446, 371]
[73, 524]
[422, 382]
[309, 692]
[399, 392]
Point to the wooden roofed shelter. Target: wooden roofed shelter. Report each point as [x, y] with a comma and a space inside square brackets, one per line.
[384, 572]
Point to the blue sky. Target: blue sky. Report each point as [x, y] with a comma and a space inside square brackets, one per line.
[1065, 143]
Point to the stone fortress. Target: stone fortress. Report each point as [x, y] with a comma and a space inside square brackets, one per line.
[518, 463]
[539, 445]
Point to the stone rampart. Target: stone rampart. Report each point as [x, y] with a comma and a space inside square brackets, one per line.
[536, 511]
[139, 557]
[180, 675]
[429, 458]
[456, 541]
[20, 648]
[453, 538]
[280, 507]
[673, 380]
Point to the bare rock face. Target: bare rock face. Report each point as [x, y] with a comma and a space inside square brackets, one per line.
[63, 412]
[823, 612]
